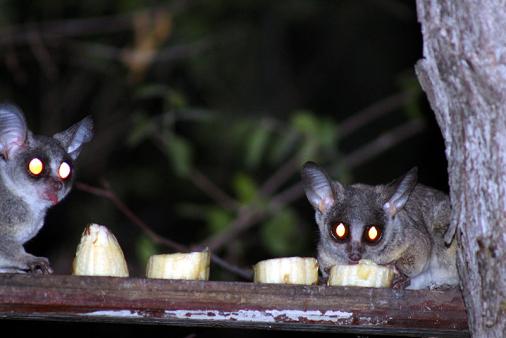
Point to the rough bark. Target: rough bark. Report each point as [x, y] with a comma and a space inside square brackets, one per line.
[463, 72]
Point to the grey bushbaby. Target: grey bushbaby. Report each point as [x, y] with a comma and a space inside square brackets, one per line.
[36, 172]
[401, 224]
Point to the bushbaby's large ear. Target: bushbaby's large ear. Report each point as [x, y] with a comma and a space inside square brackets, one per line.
[12, 129]
[73, 138]
[320, 190]
[403, 188]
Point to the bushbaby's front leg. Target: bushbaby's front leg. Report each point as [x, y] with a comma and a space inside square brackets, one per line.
[414, 259]
[14, 259]
[401, 281]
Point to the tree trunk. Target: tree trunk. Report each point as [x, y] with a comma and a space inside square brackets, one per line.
[463, 72]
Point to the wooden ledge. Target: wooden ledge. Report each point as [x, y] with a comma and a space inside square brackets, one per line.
[233, 304]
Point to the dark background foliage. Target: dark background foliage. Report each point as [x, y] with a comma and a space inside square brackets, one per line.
[206, 110]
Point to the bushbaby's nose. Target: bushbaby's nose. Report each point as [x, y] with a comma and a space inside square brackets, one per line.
[355, 257]
[56, 185]
[355, 252]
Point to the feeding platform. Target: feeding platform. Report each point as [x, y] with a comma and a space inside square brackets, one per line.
[233, 305]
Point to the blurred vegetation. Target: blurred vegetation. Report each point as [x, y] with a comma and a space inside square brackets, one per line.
[206, 110]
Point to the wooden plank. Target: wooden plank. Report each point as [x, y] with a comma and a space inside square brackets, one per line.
[233, 304]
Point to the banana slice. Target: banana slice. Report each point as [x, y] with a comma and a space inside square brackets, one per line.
[288, 270]
[99, 254]
[193, 265]
[365, 273]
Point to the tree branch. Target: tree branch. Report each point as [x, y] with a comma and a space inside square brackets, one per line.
[212, 190]
[280, 176]
[246, 218]
[372, 112]
[21, 34]
[169, 53]
[251, 216]
[346, 127]
[384, 142]
[202, 182]
[108, 193]
[43, 56]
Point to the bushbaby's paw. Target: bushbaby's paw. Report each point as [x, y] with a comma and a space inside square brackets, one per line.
[442, 287]
[401, 281]
[39, 265]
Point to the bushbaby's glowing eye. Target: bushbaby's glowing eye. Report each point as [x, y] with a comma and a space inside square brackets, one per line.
[373, 234]
[35, 166]
[339, 231]
[64, 170]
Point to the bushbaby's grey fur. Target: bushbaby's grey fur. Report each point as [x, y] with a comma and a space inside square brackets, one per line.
[413, 219]
[25, 197]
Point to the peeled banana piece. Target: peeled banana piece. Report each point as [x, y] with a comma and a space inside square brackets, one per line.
[193, 265]
[99, 254]
[288, 270]
[365, 273]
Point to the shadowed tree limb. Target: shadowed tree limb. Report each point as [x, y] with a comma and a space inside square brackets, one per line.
[106, 192]
[249, 216]
[59, 29]
[373, 112]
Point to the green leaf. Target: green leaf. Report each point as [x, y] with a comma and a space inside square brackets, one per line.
[180, 154]
[305, 122]
[284, 144]
[280, 234]
[127, 5]
[245, 188]
[142, 128]
[309, 150]
[175, 100]
[320, 134]
[340, 172]
[327, 133]
[217, 219]
[151, 91]
[145, 248]
[256, 145]
[413, 109]
[410, 85]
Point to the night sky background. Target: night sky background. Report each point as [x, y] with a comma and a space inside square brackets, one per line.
[206, 108]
